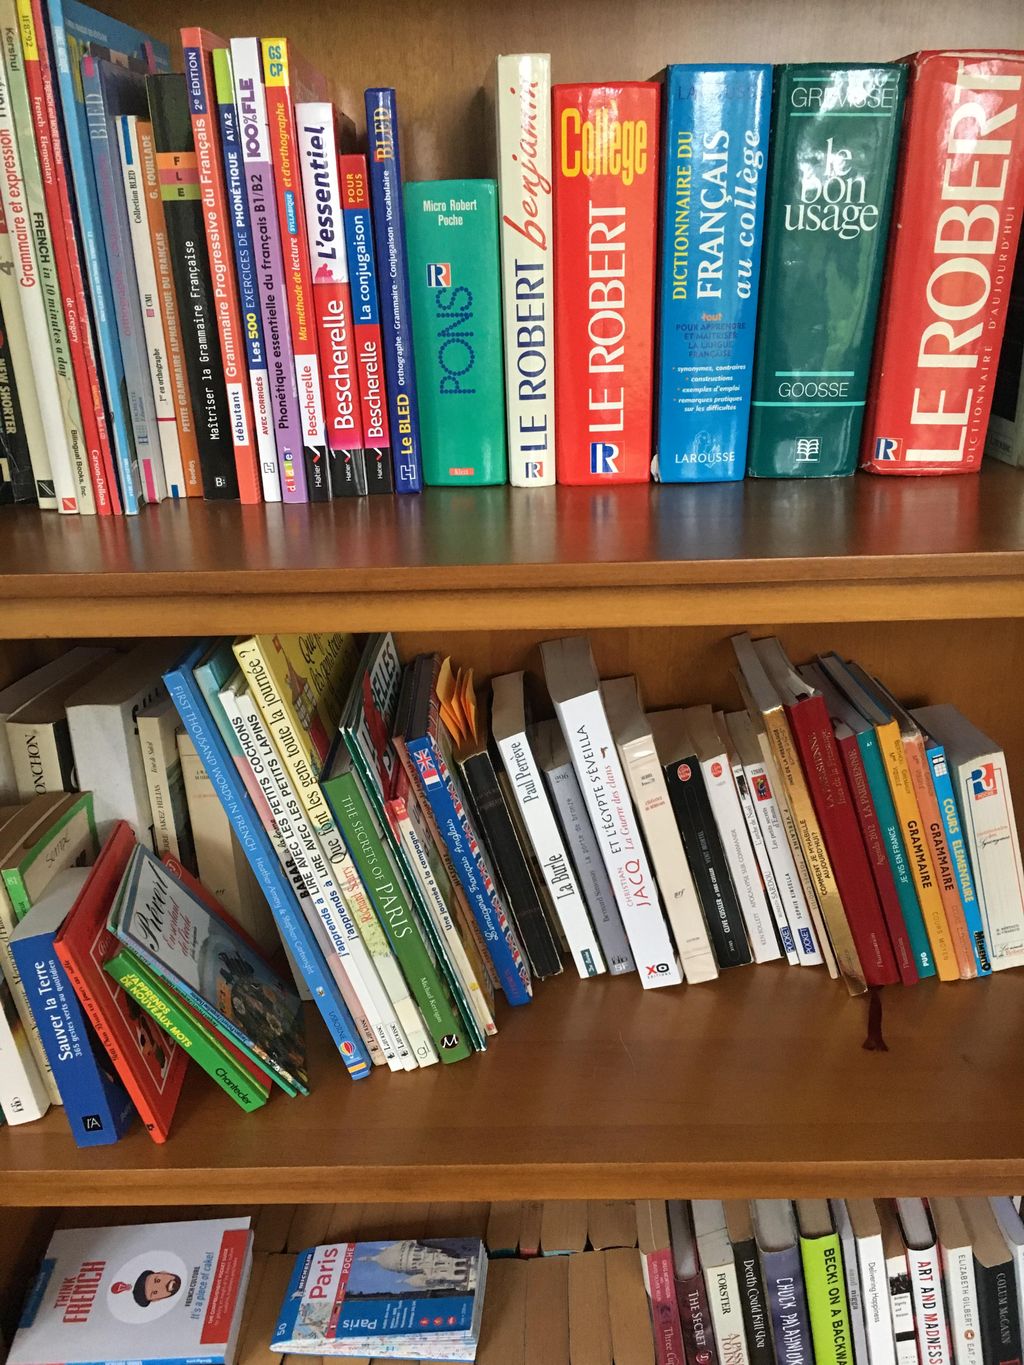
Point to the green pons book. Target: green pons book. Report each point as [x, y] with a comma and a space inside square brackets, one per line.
[387, 890]
[835, 138]
[454, 283]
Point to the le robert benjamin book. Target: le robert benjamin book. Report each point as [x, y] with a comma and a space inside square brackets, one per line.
[160, 1292]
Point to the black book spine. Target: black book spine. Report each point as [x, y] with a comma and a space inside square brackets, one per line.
[186, 238]
[17, 483]
[706, 857]
[997, 1314]
[380, 477]
[510, 864]
[754, 1304]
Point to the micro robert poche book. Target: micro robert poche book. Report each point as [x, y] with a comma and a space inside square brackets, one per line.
[161, 1292]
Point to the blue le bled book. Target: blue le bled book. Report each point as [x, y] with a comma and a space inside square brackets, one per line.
[281, 896]
[385, 172]
[716, 123]
[96, 1104]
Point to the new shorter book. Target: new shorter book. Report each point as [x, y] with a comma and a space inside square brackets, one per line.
[421, 1300]
[159, 1292]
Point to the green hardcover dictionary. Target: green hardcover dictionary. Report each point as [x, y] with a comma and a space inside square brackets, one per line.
[390, 896]
[454, 284]
[826, 1299]
[835, 137]
[201, 1044]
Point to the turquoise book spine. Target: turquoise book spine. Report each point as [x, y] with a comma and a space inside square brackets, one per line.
[454, 285]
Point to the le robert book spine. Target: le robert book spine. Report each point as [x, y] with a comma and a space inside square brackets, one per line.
[510, 863]
[956, 223]
[715, 150]
[366, 322]
[606, 199]
[835, 134]
[183, 212]
[523, 99]
[385, 167]
[706, 855]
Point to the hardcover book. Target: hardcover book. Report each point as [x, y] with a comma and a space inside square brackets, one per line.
[956, 224]
[523, 100]
[715, 141]
[452, 235]
[835, 135]
[606, 145]
[155, 1294]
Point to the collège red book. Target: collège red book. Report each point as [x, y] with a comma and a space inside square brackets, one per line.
[151, 1066]
[605, 234]
[819, 755]
[956, 222]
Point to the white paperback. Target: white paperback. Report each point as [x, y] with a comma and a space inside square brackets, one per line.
[901, 1302]
[651, 801]
[24, 375]
[404, 1048]
[757, 843]
[527, 281]
[22, 691]
[725, 806]
[508, 726]
[564, 789]
[573, 685]
[925, 1281]
[158, 726]
[23, 1094]
[763, 788]
[20, 221]
[978, 769]
[957, 1249]
[851, 1271]
[874, 1287]
[721, 1280]
[149, 301]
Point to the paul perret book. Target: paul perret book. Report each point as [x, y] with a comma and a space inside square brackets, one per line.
[835, 134]
[606, 198]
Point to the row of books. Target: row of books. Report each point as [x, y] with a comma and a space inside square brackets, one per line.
[230, 300]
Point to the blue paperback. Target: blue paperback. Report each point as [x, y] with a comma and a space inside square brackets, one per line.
[712, 207]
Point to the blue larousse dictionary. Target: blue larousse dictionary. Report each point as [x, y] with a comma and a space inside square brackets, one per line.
[712, 207]
[385, 170]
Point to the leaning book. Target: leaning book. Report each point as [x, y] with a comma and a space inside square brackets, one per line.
[161, 1292]
[417, 1300]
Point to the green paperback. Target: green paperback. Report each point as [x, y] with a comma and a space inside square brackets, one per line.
[454, 284]
[835, 137]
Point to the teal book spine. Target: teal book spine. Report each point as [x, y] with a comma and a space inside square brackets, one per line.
[888, 823]
[455, 288]
[835, 138]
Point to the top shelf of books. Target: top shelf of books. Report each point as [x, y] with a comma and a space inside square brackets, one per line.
[830, 550]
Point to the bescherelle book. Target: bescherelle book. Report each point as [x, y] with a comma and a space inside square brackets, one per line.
[165, 1293]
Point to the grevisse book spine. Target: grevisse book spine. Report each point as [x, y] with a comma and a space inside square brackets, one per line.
[835, 134]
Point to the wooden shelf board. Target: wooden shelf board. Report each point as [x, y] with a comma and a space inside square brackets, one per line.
[757, 1085]
[854, 549]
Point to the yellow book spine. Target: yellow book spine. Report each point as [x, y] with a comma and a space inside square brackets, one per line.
[897, 770]
[813, 845]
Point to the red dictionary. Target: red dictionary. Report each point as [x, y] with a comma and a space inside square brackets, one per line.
[605, 234]
[150, 1065]
[197, 44]
[956, 222]
[56, 190]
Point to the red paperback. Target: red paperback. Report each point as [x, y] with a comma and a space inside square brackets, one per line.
[605, 235]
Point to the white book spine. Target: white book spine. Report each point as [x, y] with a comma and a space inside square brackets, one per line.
[159, 755]
[24, 1036]
[874, 1294]
[851, 1271]
[725, 806]
[24, 374]
[18, 212]
[302, 845]
[149, 301]
[674, 879]
[37, 758]
[901, 1304]
[771, 888]
[527, 279]
[108, 761]
[929, 1313]
[603, 784]
[23, 1095]
[962, 1300]
[559, 874]
[726, 1313]
[768, 812]
[995, 855]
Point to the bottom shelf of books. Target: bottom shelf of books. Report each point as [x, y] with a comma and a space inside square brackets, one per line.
[605, 1282]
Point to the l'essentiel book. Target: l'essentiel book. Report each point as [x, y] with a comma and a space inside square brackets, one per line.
[835, 134]
[160, 1292]
[421, 1300]
[452, 234]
